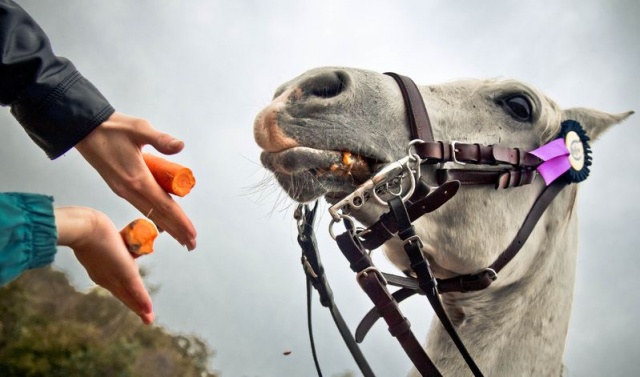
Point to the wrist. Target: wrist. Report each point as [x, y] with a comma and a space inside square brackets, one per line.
[75, 225]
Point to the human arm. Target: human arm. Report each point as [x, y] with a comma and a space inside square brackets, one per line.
[60, 109]
[31, 229]
[100, 249]
[52, 101]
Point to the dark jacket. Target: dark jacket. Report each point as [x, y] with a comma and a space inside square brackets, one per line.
[54, 103]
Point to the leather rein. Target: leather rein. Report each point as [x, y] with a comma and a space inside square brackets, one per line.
[518, 168]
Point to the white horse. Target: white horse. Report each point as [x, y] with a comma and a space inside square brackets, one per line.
[517, 326]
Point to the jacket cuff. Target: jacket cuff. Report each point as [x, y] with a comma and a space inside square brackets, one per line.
[67, 114]
[44, 234]
[28, 235]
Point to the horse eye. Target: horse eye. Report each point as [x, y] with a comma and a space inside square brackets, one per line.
[518, 107]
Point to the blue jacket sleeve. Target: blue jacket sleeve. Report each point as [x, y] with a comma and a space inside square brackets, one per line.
[28, 235]
[52, 101]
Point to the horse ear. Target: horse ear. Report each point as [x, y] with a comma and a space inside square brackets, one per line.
[594, 122]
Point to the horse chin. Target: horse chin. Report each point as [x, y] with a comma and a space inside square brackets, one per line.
[307, 173]
[302, 187]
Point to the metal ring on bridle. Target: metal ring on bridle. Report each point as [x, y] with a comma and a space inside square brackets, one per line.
[346, 218]
[389, 190]
[412, 153]
[406, 197]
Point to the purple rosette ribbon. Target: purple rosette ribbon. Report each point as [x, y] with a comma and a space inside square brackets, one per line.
[556, 160]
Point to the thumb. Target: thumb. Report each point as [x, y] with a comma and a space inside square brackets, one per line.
[145, 133]
[166, 144]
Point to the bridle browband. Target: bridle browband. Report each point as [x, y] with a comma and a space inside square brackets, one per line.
[518, 168]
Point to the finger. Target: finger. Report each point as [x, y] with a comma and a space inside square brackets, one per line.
[159, 207]
[167, 144]
[162, 142]
[135, 296]
[175, 222]
[147, 319]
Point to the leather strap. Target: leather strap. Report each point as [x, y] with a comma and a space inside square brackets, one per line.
[426, 280]
[500, 179]
[418, 117]
[410, 287]
[373, 315]
[399, 326]
[316, 277]
[482, 279]
[464, 153]
[384, 229]
[437, 152]
[374, 285]
[461, 283]
[538, 208]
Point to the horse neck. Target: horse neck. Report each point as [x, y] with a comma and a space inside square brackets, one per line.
[518, 326]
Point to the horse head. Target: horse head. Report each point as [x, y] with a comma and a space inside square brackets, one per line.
[330, 129]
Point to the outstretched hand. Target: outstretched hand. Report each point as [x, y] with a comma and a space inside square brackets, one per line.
[114, 150]
[99, 247]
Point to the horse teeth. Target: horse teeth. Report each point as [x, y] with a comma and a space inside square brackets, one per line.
[347, 158]
[349, 165]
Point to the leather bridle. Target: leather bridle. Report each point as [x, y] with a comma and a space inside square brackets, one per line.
[516, 168]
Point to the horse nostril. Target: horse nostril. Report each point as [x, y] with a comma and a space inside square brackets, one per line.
[325, 84]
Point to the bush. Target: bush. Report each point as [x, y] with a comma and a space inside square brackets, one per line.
[47, 328]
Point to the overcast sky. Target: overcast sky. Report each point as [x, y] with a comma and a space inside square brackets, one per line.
[201, 70]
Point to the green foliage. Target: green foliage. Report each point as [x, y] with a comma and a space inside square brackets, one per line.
[47, 328]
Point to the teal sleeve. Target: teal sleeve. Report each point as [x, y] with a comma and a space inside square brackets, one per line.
[28, 235]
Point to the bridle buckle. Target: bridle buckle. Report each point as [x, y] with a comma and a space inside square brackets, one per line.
[374, 270]
[415, 238]
[453, 152]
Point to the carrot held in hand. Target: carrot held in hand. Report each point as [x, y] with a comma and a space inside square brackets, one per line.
[139, 236]
[173, 178]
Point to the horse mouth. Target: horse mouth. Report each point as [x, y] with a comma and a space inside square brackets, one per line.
[307, 173]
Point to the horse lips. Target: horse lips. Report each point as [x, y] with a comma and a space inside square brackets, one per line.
[354, 166]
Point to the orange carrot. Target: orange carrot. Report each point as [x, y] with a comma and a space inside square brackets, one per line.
[139, 236]
[173, 178]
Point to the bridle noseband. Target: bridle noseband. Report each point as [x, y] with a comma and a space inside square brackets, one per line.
[516, 168]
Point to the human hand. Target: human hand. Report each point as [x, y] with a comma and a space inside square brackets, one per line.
[114, 150]
[99, 247]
